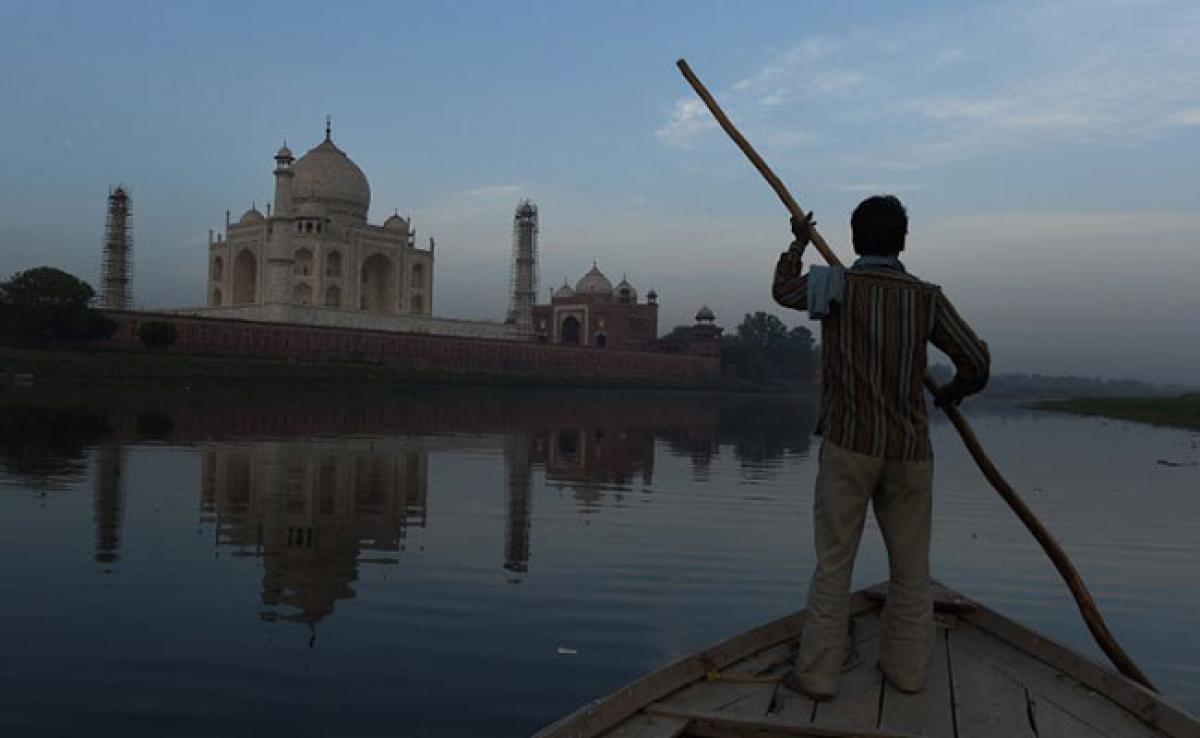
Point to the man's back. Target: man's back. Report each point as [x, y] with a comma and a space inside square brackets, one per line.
[874, 359]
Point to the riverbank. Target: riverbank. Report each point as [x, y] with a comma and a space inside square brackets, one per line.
[1182, 411]
[152, 369]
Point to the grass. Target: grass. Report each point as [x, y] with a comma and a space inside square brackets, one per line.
[1182, 411]
[157, 369]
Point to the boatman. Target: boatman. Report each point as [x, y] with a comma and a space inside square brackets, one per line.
[876, 320]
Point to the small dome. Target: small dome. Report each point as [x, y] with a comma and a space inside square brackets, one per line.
[594, 283]
[705, 315]
[652, 295]
[326, 175]
[396, 223]
[625, 291]
[564, 292]
[284, 152]
[526, 209]
[251, 217]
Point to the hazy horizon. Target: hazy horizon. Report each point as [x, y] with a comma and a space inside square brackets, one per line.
[1046, 150]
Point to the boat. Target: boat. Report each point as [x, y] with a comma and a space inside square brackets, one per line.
[990, 678]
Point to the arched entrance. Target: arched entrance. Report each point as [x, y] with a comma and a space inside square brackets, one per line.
[333, 297]
[245, 278]
[416, 305]
[600, 340]
[303, 262]
[376, 284]
[333, 264]
[216, 297]
[569, 331]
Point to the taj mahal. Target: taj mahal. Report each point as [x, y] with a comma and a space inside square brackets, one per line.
[314, 259]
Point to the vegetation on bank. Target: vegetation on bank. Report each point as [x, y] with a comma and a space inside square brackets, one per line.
[159, 369]
[48, 307]
[1182, 411]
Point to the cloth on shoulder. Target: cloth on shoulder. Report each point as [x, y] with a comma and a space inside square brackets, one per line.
[827, 284]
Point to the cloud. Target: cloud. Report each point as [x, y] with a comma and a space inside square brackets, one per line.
[689, 118]
[501, 191]
[798, 73]
[1034, 73]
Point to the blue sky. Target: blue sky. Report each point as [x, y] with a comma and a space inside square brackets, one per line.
[1046, 150]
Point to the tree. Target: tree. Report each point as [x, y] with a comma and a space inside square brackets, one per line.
[47, 305]
[763, 349]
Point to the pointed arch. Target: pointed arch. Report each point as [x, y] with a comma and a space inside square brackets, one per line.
[245, 278]
[376, 290]
[303, 262]
[333, 297]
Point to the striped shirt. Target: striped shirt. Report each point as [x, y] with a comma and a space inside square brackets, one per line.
[873, 358]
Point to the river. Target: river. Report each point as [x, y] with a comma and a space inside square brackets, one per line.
[479, 563]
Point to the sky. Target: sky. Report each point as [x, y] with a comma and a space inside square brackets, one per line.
[1046, 150]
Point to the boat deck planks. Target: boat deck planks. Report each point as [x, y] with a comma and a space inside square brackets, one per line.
[930, 711]
[989, 678]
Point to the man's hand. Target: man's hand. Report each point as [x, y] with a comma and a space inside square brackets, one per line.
[802, 230]
[948, 395]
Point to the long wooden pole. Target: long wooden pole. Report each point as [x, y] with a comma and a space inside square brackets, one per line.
[1058, 556]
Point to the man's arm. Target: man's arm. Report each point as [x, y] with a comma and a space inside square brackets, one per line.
[972, 361]
[790, 288]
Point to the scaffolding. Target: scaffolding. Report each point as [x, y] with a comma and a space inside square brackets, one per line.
[115, 273]
[523, 277]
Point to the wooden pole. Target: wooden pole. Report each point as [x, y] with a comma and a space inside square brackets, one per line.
[1083, 598]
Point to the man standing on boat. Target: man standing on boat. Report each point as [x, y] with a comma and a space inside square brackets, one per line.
[876, 320]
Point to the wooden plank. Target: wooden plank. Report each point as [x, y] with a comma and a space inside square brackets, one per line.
[987, 703]
[791, 708]
[1145, 705]
[1054, 721]
[930, 712]
[649, 726]
[857, 702]
[713, 724]
[594, 719]
[1047, 686]
[727, 695]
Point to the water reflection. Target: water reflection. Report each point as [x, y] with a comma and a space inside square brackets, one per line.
[316, 490]
[312, 510]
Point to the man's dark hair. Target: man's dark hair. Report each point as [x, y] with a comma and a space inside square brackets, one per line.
[878, 226]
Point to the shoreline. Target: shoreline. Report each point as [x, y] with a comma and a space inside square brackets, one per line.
[31, 369]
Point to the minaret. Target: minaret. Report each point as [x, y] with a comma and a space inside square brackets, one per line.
[524, 275]
[280, 262]
[118, 253]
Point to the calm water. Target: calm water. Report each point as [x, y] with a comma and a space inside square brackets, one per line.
[473, 563]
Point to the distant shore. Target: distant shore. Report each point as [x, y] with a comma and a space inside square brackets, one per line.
[151, 369]
[1181, 411]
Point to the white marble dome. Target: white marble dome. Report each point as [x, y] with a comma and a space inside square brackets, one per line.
[250, 217]
[594, 283]
[325, 175]
[396, 222]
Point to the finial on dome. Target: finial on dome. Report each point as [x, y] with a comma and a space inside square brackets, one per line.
[328, 128]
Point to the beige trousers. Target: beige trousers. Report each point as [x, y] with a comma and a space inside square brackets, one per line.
[902, 493]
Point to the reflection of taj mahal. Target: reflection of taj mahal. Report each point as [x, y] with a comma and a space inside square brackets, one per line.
[310, 508]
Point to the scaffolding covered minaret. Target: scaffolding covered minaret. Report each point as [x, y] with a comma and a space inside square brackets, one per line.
[524, 267]
[115, 287]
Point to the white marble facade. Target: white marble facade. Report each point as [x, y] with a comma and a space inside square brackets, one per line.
[318, 250]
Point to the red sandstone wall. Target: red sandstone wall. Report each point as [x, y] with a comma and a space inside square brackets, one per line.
[411, 351]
